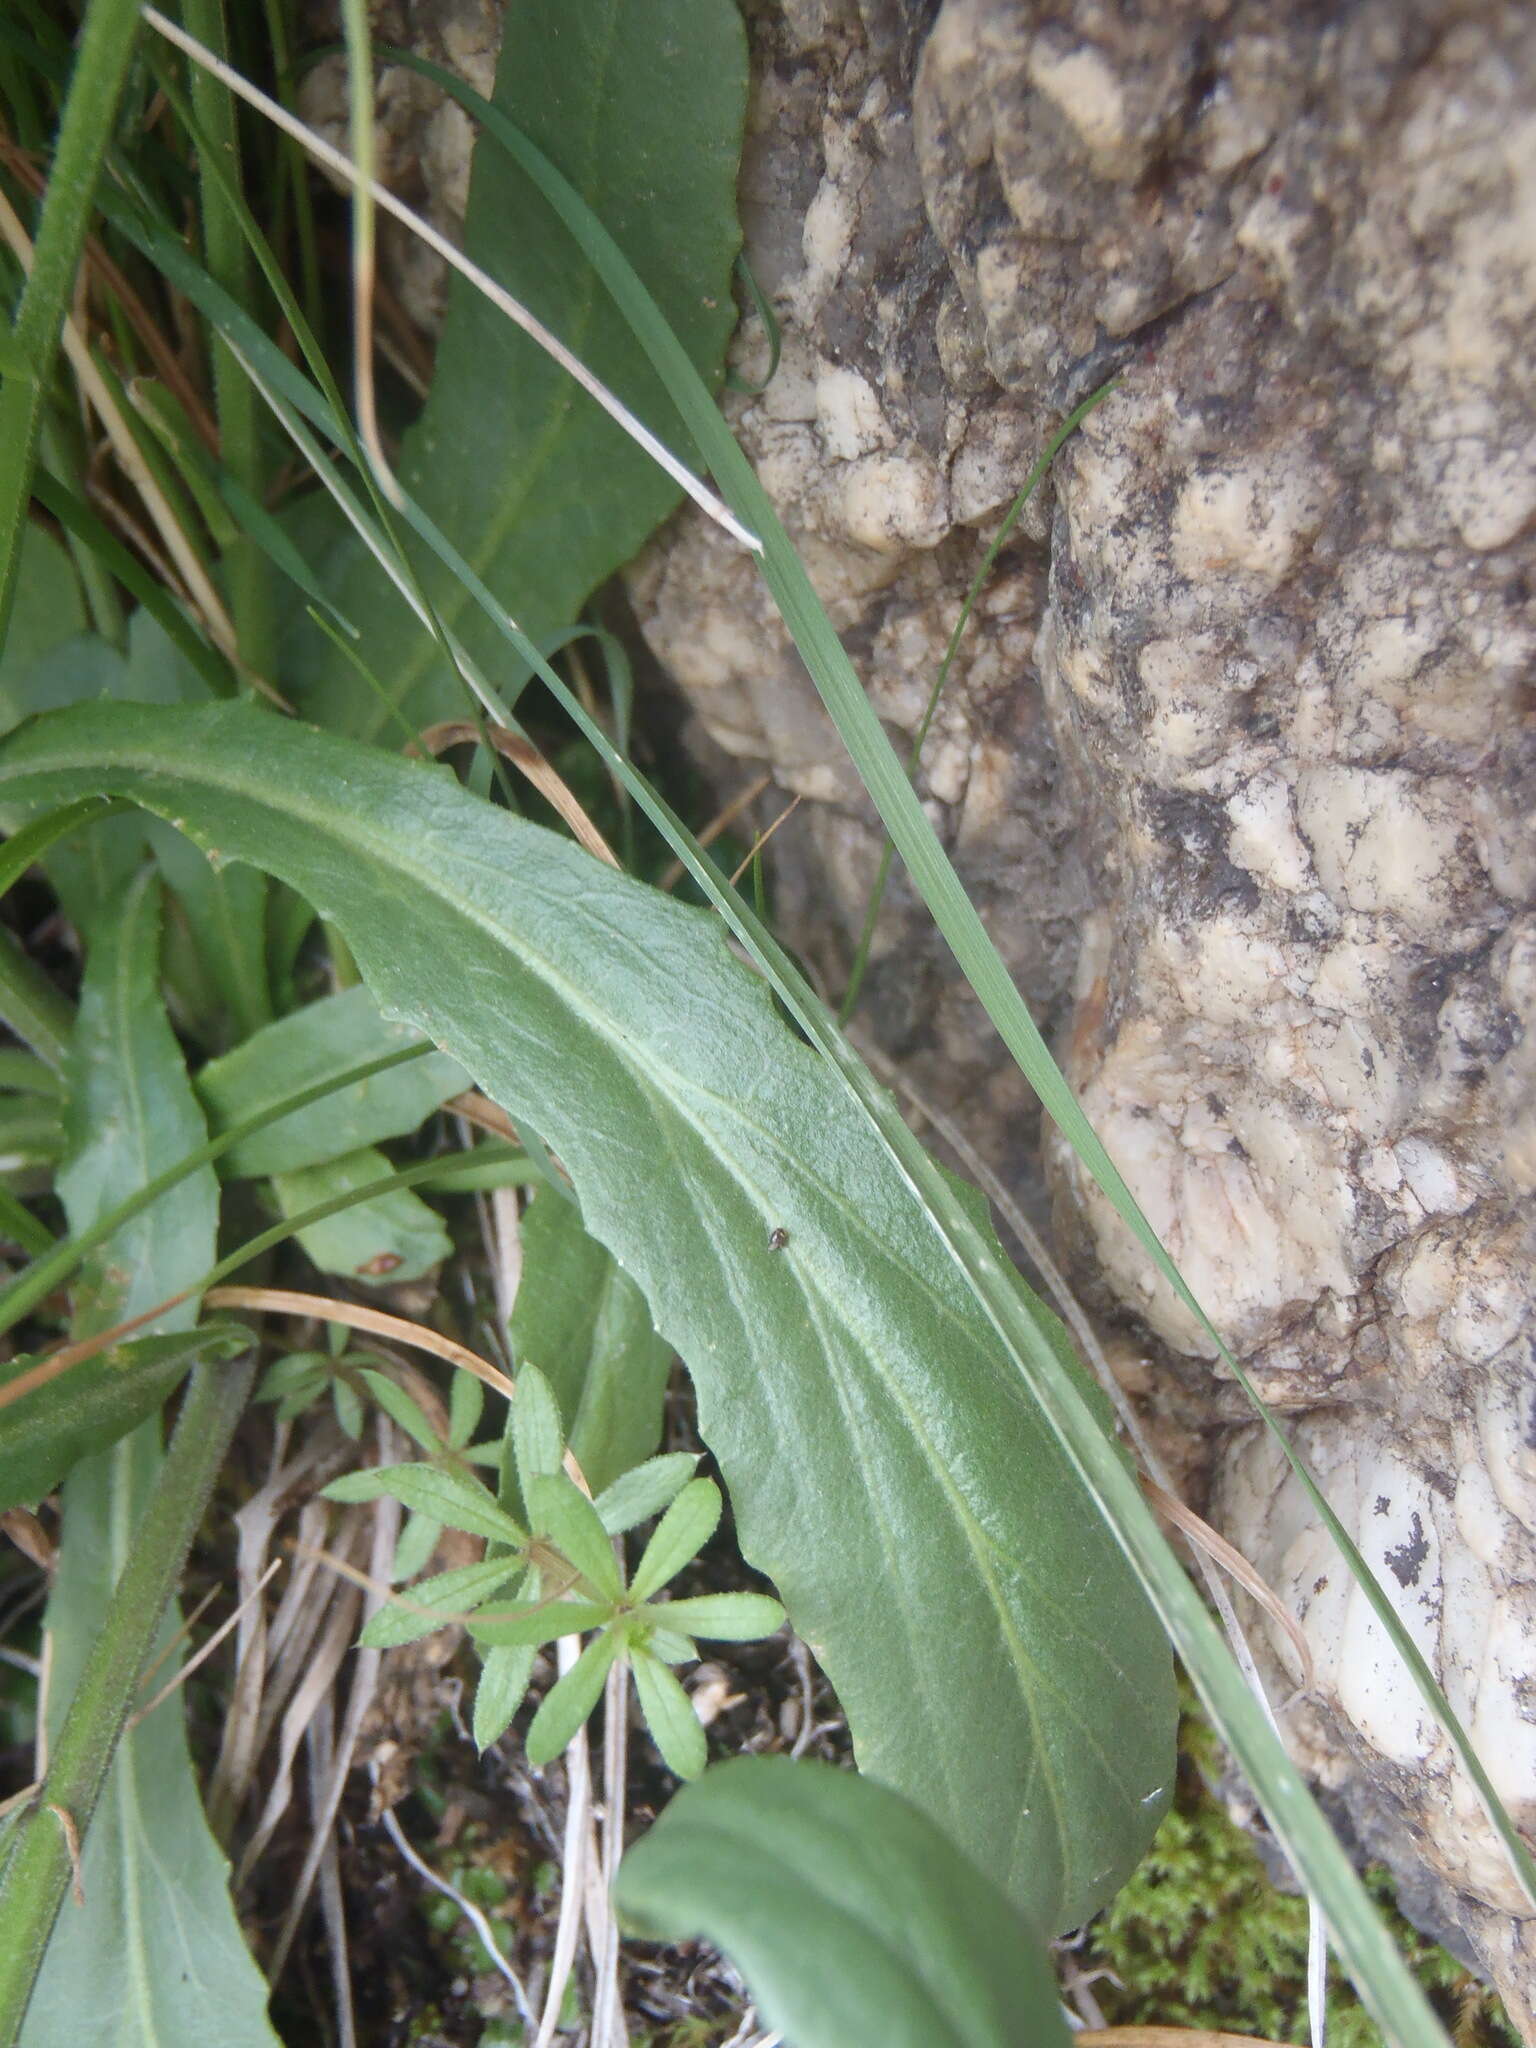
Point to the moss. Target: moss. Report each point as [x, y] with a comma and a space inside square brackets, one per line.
[1200, 1937]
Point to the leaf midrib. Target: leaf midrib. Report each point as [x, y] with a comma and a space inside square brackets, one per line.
[666, 1084]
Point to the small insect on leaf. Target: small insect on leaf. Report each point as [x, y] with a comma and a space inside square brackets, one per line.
[778, 1237]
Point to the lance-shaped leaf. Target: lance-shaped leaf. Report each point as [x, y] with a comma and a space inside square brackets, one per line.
[436, 1602]
[54, 1424]
[567, 1704]
[885, 1459]
[680, 1535]
[669, 1715]
[643, 109]
[585, 1324]
[644, 1491]
[154, 1957]
[322, 1039]
[560, 1511]
[544, 1622]
[533, 1429]
[723, 1617]
[446, 1496]
[504, 1676]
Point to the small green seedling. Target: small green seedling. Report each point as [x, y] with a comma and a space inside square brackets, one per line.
[569, 1581]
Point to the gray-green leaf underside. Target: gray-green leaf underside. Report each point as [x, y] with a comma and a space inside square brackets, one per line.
[888, 1466]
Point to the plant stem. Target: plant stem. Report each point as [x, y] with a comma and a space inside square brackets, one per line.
[106, 46]
[38, 1874]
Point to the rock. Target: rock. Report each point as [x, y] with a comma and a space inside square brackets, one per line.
[1238, 763]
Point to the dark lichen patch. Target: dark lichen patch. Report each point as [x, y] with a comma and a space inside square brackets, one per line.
[1406, 1560]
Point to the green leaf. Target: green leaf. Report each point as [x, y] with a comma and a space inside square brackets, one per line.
[404, 1409]
[296, 1372]
[852, 1373]
[92, 865]
[21, 1227]
[533, 1427]
[447, 1598]
[569, 1701]
[504, 1677]
[645, 1491]
[447, 1497]
[322, 1039]
[47, 1430]
[670, 1646]
[31, 1132]
[547, 494]
[581, 1318]
[558, 1509]
[413, 1551]
[154, 1958]
[723, 1617]
[385, 1239]
[669, 1715]
[680, 1535]
[48, 610]
[545, 1622]
[226, 909]
[28, 1075]
[466, 1405]
[855, 1922]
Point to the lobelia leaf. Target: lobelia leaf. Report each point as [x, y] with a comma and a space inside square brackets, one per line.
[855, 1922]
[586, 1323]
[669, 1715]
[883, 1453]
[570, 1700]
[155, 1957]
[47, 1430]
[381, 1241]
[48, 609]
[680, 1535]
[447, 1497]
[324, 1038]
[545, 492]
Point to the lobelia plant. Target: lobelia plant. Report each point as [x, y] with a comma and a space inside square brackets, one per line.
[354, 946]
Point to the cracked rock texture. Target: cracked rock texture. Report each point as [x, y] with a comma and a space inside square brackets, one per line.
[1239, 761]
